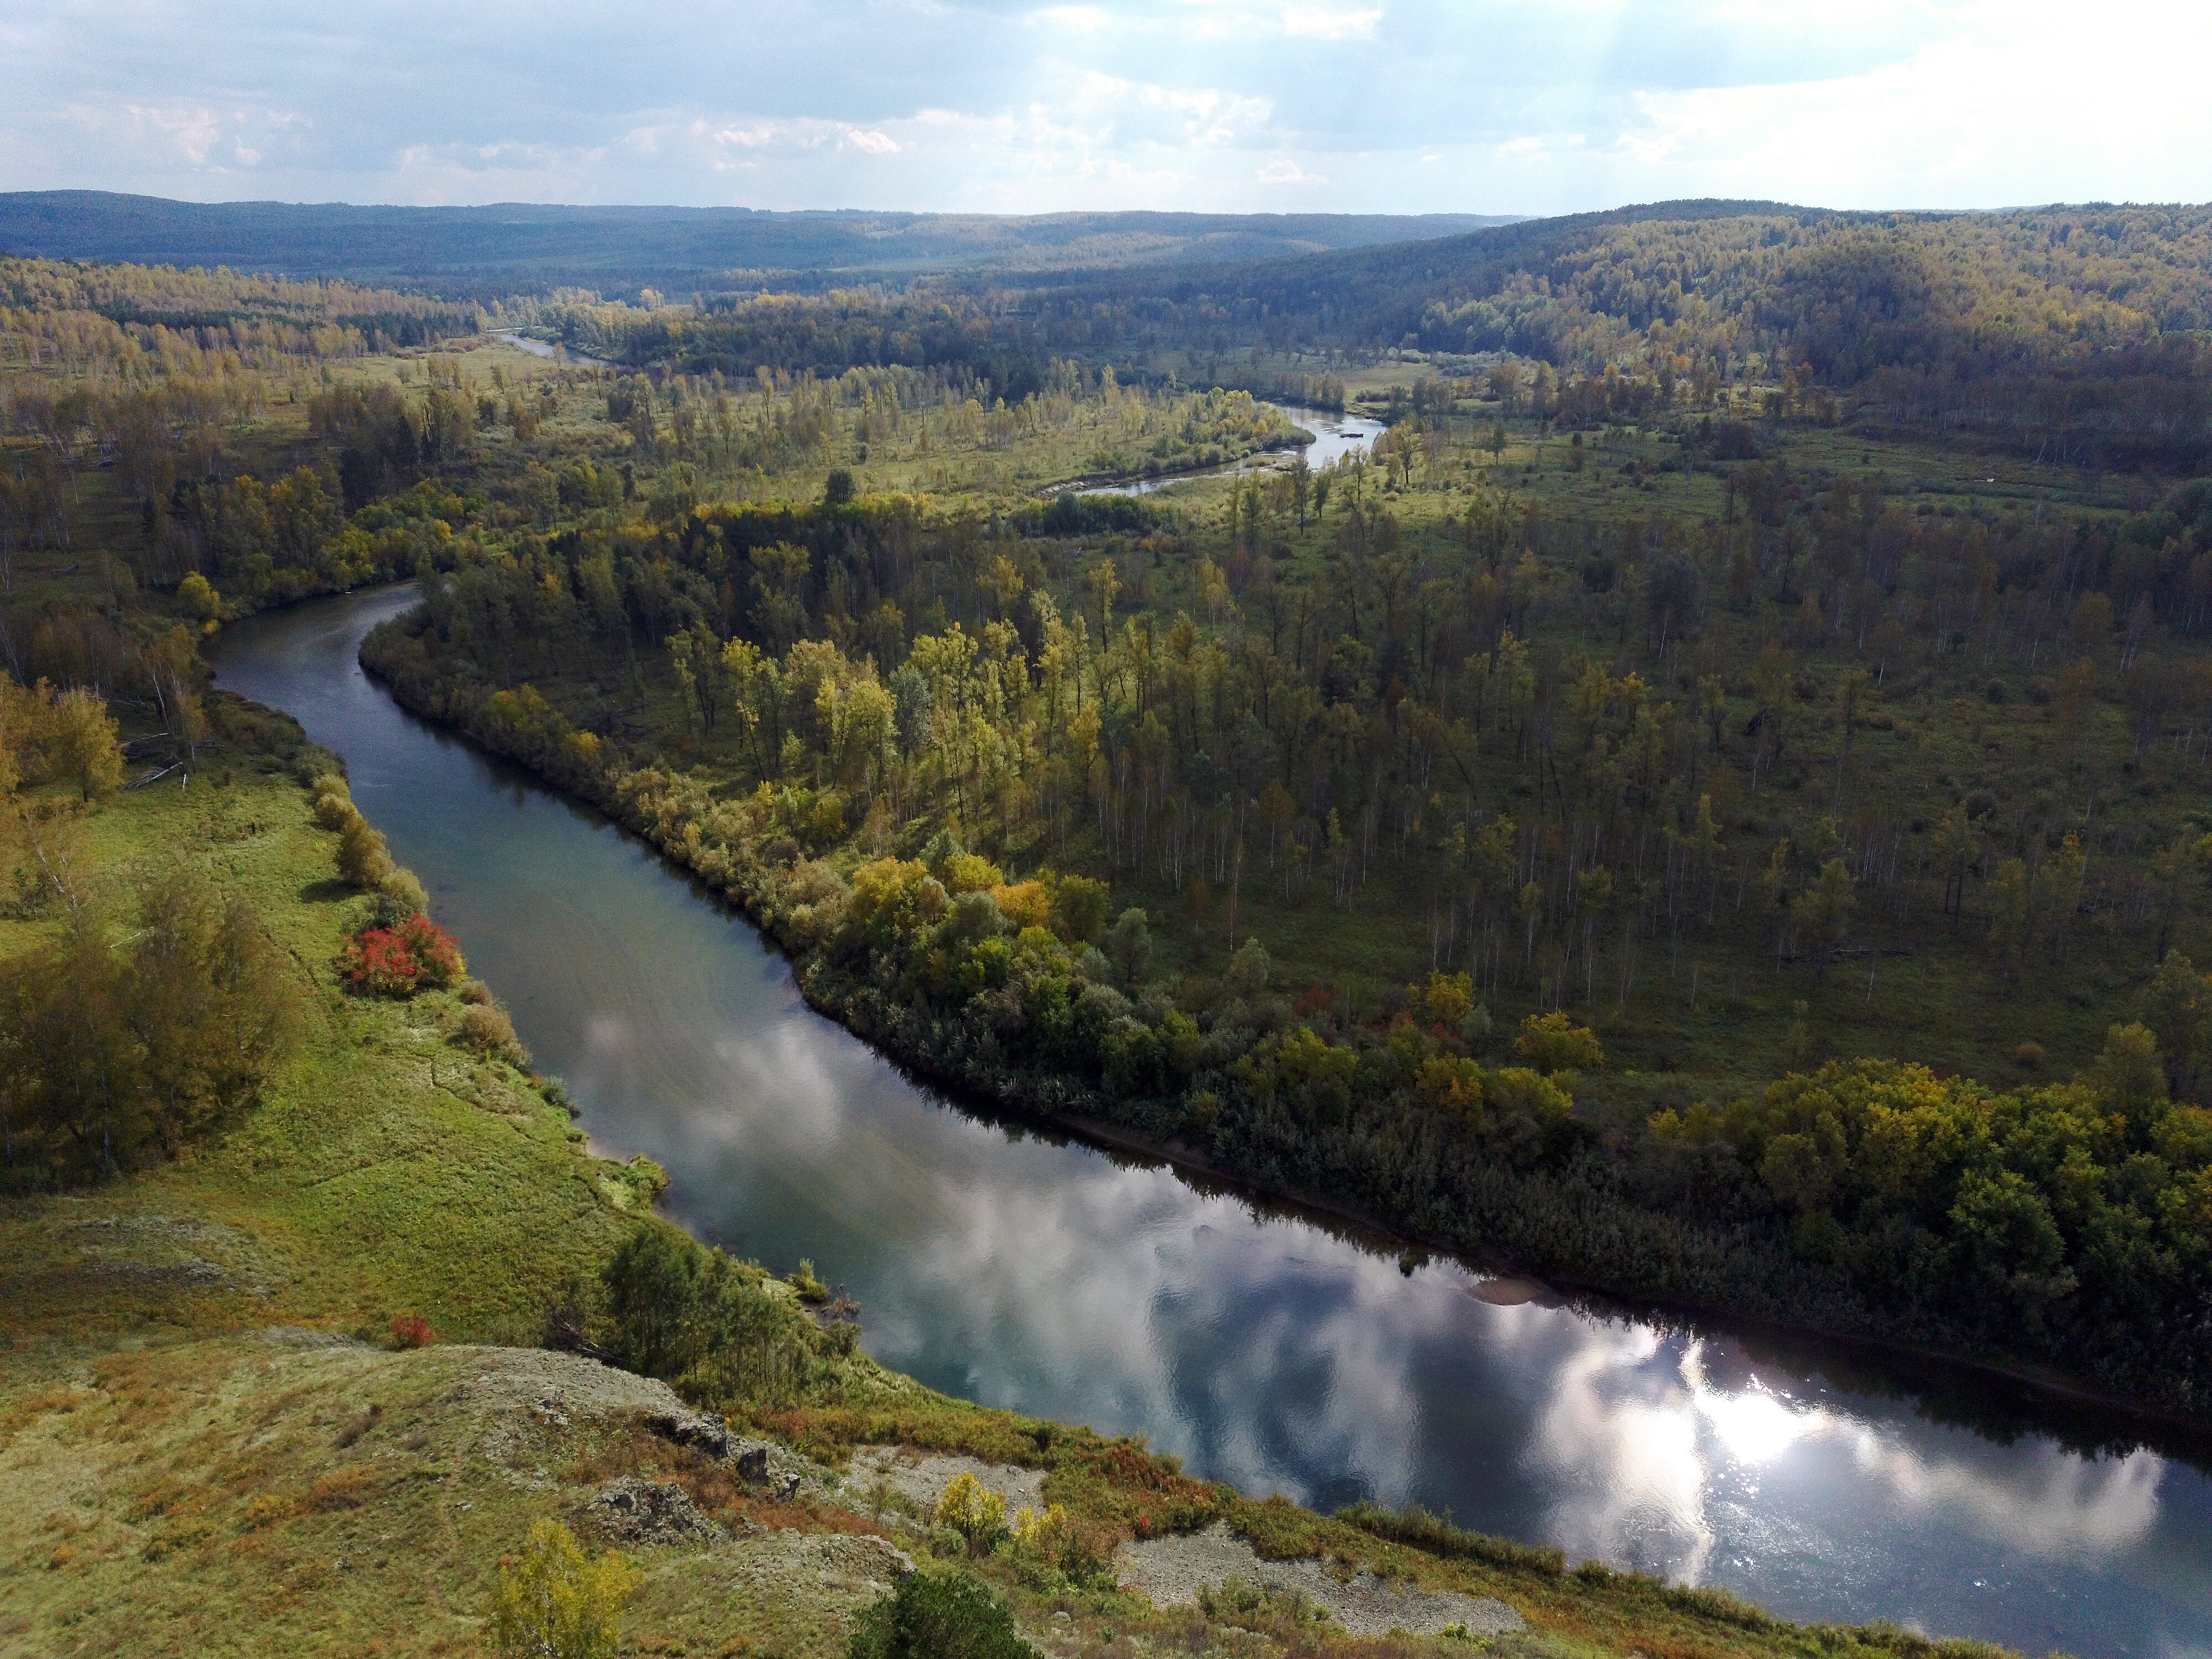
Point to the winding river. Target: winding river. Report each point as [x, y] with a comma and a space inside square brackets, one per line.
[1267, 1348]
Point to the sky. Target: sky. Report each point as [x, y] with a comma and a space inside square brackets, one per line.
[1530, 107]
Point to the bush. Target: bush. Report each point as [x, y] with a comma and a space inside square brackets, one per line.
[403, 892]
[398, 962]
[486, 1028]
[975, 1511]
[363, 860]
[939, 1617]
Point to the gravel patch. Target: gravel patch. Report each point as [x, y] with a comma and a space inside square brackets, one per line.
[921, 1478]
[1172, 1570]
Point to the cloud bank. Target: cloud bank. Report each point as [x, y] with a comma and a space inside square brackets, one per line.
[1476, 106]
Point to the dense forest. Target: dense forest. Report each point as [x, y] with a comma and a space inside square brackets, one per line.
[516, 248]
[2070, 334]
[1610, 822]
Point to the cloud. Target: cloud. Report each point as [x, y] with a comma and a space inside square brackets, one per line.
[1116, 103]
[1325, 23]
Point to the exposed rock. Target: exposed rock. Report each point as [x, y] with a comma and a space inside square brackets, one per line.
[1173, 1570]
[634, 1511]
[764, 1463]
[708, 1434]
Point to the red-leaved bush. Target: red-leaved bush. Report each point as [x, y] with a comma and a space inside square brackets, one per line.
[398, 962]
[412, 1331]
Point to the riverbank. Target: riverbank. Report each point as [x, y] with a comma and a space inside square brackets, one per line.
[1129, 482]
[214, 1408]
[1563, 1225]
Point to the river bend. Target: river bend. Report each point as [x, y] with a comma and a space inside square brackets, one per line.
[1266, 1348]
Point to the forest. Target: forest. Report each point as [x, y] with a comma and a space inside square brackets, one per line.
[2067, 334]
[1672, 811]
[538, 248]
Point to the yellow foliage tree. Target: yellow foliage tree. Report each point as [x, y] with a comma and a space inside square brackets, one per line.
[87, 744]
[555, 1602]
[974, 1510]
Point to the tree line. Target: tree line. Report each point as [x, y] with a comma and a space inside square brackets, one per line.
[1552, 760]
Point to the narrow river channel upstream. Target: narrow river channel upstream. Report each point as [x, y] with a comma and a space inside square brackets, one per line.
[1266, 1348]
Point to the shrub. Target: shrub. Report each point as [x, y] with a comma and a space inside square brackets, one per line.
[396, 962]
[939, 1618]
[975, 1511]
[412, 1331]
[554, 1603]
[363, 860]
[1044, 1535]
[404, 892]
[486, 1028]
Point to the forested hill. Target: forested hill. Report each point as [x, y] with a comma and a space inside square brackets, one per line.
[1699, 270]
[2075, 333]
[521, 247]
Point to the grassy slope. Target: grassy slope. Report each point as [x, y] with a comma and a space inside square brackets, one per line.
[185, 1485]
[386, 1172]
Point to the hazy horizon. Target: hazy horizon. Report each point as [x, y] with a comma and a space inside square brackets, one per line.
[997, 106]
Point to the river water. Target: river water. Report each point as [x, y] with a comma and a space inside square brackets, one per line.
[1267, 1348]
[1334, 436]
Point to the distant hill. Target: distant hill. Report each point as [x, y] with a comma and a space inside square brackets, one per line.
[2080, 334]
[522, 247]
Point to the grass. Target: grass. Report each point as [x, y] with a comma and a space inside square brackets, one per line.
[275, 1493]
[385, 1172]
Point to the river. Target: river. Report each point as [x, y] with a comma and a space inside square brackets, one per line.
[1334, 436]
[1265, 1347]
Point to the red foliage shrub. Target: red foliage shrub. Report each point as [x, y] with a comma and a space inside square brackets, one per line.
[398, 962]
[412, 1331]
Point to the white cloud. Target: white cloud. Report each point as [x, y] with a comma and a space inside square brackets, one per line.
[1325, 23]
[1121, 103]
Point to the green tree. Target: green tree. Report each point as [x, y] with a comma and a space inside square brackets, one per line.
[1553, 1043]
[1824, 912]
[1129, 946]
[200, 600]
[929, 1617]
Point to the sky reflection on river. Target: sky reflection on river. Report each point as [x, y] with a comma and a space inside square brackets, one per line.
[1264, 1348]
